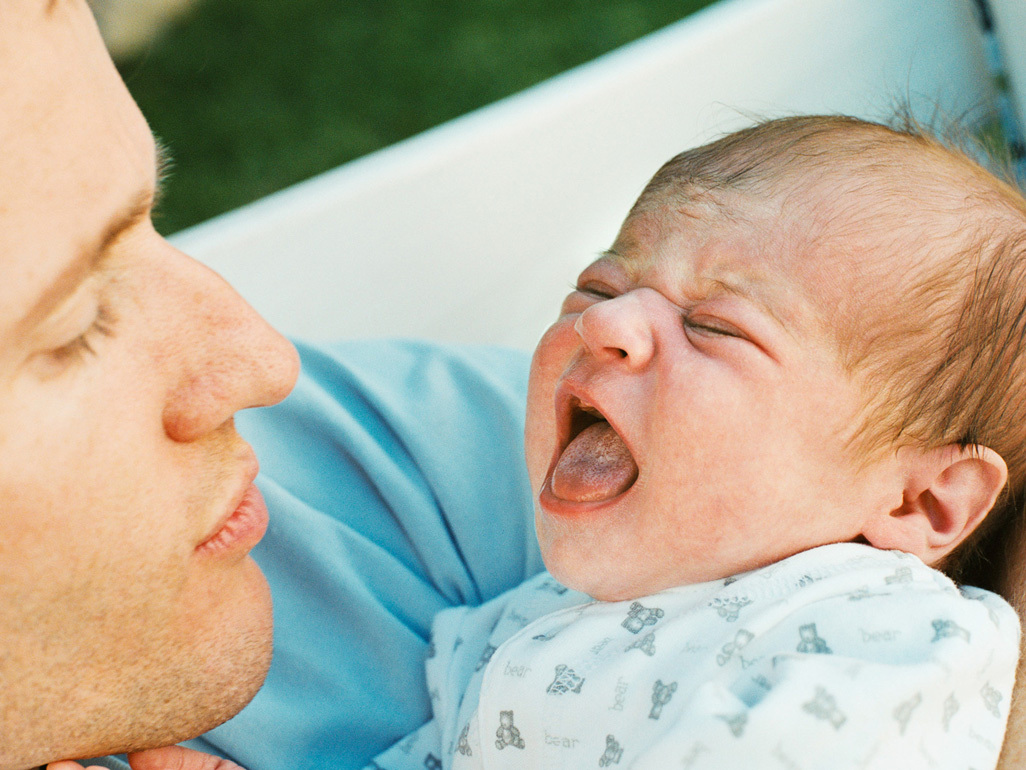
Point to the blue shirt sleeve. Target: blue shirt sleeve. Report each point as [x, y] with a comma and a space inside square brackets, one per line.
[396, 484]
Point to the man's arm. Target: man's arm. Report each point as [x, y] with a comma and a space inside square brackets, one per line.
[167, 758]
[1013, 753]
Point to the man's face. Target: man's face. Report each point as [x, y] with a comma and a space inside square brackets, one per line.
[688, 417]
[130, 612]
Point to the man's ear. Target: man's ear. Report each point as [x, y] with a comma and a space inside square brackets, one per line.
[948, 491]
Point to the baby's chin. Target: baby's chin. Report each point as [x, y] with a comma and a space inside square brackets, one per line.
[615, 577]
[604, 583]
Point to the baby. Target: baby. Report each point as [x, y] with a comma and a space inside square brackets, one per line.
[792, 383]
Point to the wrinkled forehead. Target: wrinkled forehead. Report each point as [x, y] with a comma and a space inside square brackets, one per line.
[819, 257]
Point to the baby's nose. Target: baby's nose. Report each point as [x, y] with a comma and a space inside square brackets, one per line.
[621, 329]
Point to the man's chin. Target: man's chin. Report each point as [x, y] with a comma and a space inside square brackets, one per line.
[225, 674]
[238, 667]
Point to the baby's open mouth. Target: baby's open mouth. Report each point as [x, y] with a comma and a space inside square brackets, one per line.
[596, 463]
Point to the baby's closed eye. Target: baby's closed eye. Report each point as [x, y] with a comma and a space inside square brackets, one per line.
[711, 325]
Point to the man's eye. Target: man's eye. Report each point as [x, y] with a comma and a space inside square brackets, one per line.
[82, 345]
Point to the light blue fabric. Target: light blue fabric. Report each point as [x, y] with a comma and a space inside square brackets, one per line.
[396, 485]
[111, 763]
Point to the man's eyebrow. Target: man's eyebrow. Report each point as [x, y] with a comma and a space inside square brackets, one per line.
[76, 271]
[90, 256]
[164, 163]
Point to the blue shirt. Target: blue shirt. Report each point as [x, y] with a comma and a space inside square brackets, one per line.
[395, 479]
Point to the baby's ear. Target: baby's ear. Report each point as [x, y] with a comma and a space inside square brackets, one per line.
[948, 492]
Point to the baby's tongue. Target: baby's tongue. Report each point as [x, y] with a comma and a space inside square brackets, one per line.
[595, 466]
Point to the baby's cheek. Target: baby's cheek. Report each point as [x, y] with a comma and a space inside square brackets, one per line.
[550, 360]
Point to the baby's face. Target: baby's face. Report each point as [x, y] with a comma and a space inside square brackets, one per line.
[688, 416]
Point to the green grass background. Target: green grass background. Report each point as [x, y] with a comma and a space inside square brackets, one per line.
[255, 95]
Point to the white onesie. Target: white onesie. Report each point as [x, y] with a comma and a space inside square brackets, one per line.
[838, 657]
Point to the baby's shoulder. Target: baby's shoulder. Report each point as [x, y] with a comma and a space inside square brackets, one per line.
[857, 595]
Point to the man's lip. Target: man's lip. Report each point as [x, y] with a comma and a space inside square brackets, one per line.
[244, 520]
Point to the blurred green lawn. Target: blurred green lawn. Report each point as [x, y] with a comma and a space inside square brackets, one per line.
[254, 95]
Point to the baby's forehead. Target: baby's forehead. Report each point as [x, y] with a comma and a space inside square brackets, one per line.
[862, 216]
[752, 237]
[819, 256]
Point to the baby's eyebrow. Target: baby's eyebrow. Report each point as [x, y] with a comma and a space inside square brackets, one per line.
[748, 291]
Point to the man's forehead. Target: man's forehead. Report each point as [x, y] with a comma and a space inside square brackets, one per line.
[76, 150]
[34, 8]
[65, 116]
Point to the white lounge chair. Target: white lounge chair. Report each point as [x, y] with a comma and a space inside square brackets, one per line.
[471, 231]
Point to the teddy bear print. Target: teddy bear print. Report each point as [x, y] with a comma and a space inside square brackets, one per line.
[860, 593]
[486, 656]
[735, 722]
[566, 681]
[951, 707]
[646, 644]
[824, 706]
[901, 575]
[741, 640]
[640, 616]
[991, 699]
[730, 609]
[661, 694]
[947, 629]
[612, 754]
[431, 762]
[552, 586]
[463, 744]
[507, 734]
[903, 713]
[811, 641]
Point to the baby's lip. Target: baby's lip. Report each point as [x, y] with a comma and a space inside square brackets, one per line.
[571, 417]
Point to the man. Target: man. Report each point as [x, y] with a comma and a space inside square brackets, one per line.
[130, 613]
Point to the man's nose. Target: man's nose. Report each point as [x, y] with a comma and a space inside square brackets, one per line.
[223, 356]
[623, 329]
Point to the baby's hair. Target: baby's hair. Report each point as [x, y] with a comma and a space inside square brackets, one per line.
[942, 357]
